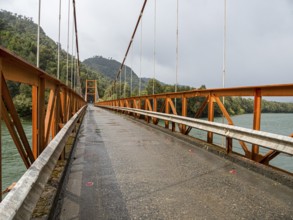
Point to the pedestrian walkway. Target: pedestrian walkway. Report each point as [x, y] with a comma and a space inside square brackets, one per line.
[123, 169]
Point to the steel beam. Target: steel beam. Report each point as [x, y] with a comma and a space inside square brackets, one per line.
[12, 131]
[35, 148]
[284, 90]
[155, 109]
[256, 121]
[167, 111]
[15, 123]
[184, 113]
[210, 117]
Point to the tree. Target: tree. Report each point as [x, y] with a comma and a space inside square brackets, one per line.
[23, 105]
[157, 87]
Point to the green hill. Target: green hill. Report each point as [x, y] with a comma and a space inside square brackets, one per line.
[110, 67]
[18, 34]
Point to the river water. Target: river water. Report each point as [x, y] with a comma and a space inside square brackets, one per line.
[13, 166]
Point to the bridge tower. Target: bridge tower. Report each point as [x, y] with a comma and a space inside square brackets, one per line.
[91, 92]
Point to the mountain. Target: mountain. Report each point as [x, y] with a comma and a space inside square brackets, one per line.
[18, 34]
[110, 67]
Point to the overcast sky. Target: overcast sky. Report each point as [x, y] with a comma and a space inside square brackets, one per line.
[259, 37]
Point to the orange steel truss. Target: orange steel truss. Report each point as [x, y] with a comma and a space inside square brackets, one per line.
[47, 118]
[211, 97]
[91, 89]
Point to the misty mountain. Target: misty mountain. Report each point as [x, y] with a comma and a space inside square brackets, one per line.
[109, 68]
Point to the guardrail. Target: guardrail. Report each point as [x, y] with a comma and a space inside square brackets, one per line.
[268, 140]
[53, 104]
[210, 99]
[20, 202]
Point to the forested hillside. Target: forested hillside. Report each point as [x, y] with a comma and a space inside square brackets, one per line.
[110, 67]
[18, 34]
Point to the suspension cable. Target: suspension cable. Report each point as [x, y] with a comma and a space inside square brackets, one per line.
[68, 27]
[74, 69]
[224, 58]
[140, 63]
[76, 37]
[155, 30]
[124, 81]
[120, 87]
[177, 48]
[177, 44]
[38, 38]
[72, 65]
[131, 65]
[58, 58]
[224, 42]
[131, 40]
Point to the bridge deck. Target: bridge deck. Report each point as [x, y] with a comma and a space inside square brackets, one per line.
[125, 170]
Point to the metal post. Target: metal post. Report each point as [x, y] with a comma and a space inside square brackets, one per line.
[96, 93]
[155, 108]
[184, 112]
[210, 117]
[167, 111]
[41, 115]
[38, 112]
[35, 121]
[86, 82]
[256, 121]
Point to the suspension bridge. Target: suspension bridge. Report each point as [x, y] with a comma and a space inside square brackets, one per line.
[141, 157]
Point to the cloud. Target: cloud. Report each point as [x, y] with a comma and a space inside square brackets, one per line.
[259, 38]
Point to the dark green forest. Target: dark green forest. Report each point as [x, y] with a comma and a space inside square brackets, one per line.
[18, 34]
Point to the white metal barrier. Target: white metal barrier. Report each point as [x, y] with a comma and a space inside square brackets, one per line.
[268, 140]
[22, 199]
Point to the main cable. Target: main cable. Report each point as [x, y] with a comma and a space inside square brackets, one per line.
[76, 37]
[131, 40]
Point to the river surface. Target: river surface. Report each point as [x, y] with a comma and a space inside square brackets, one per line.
[13, 166]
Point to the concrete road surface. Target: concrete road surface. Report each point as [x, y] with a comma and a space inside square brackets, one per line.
[123, 169]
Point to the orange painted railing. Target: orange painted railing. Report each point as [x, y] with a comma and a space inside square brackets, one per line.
[211, 97]
[48, 116]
